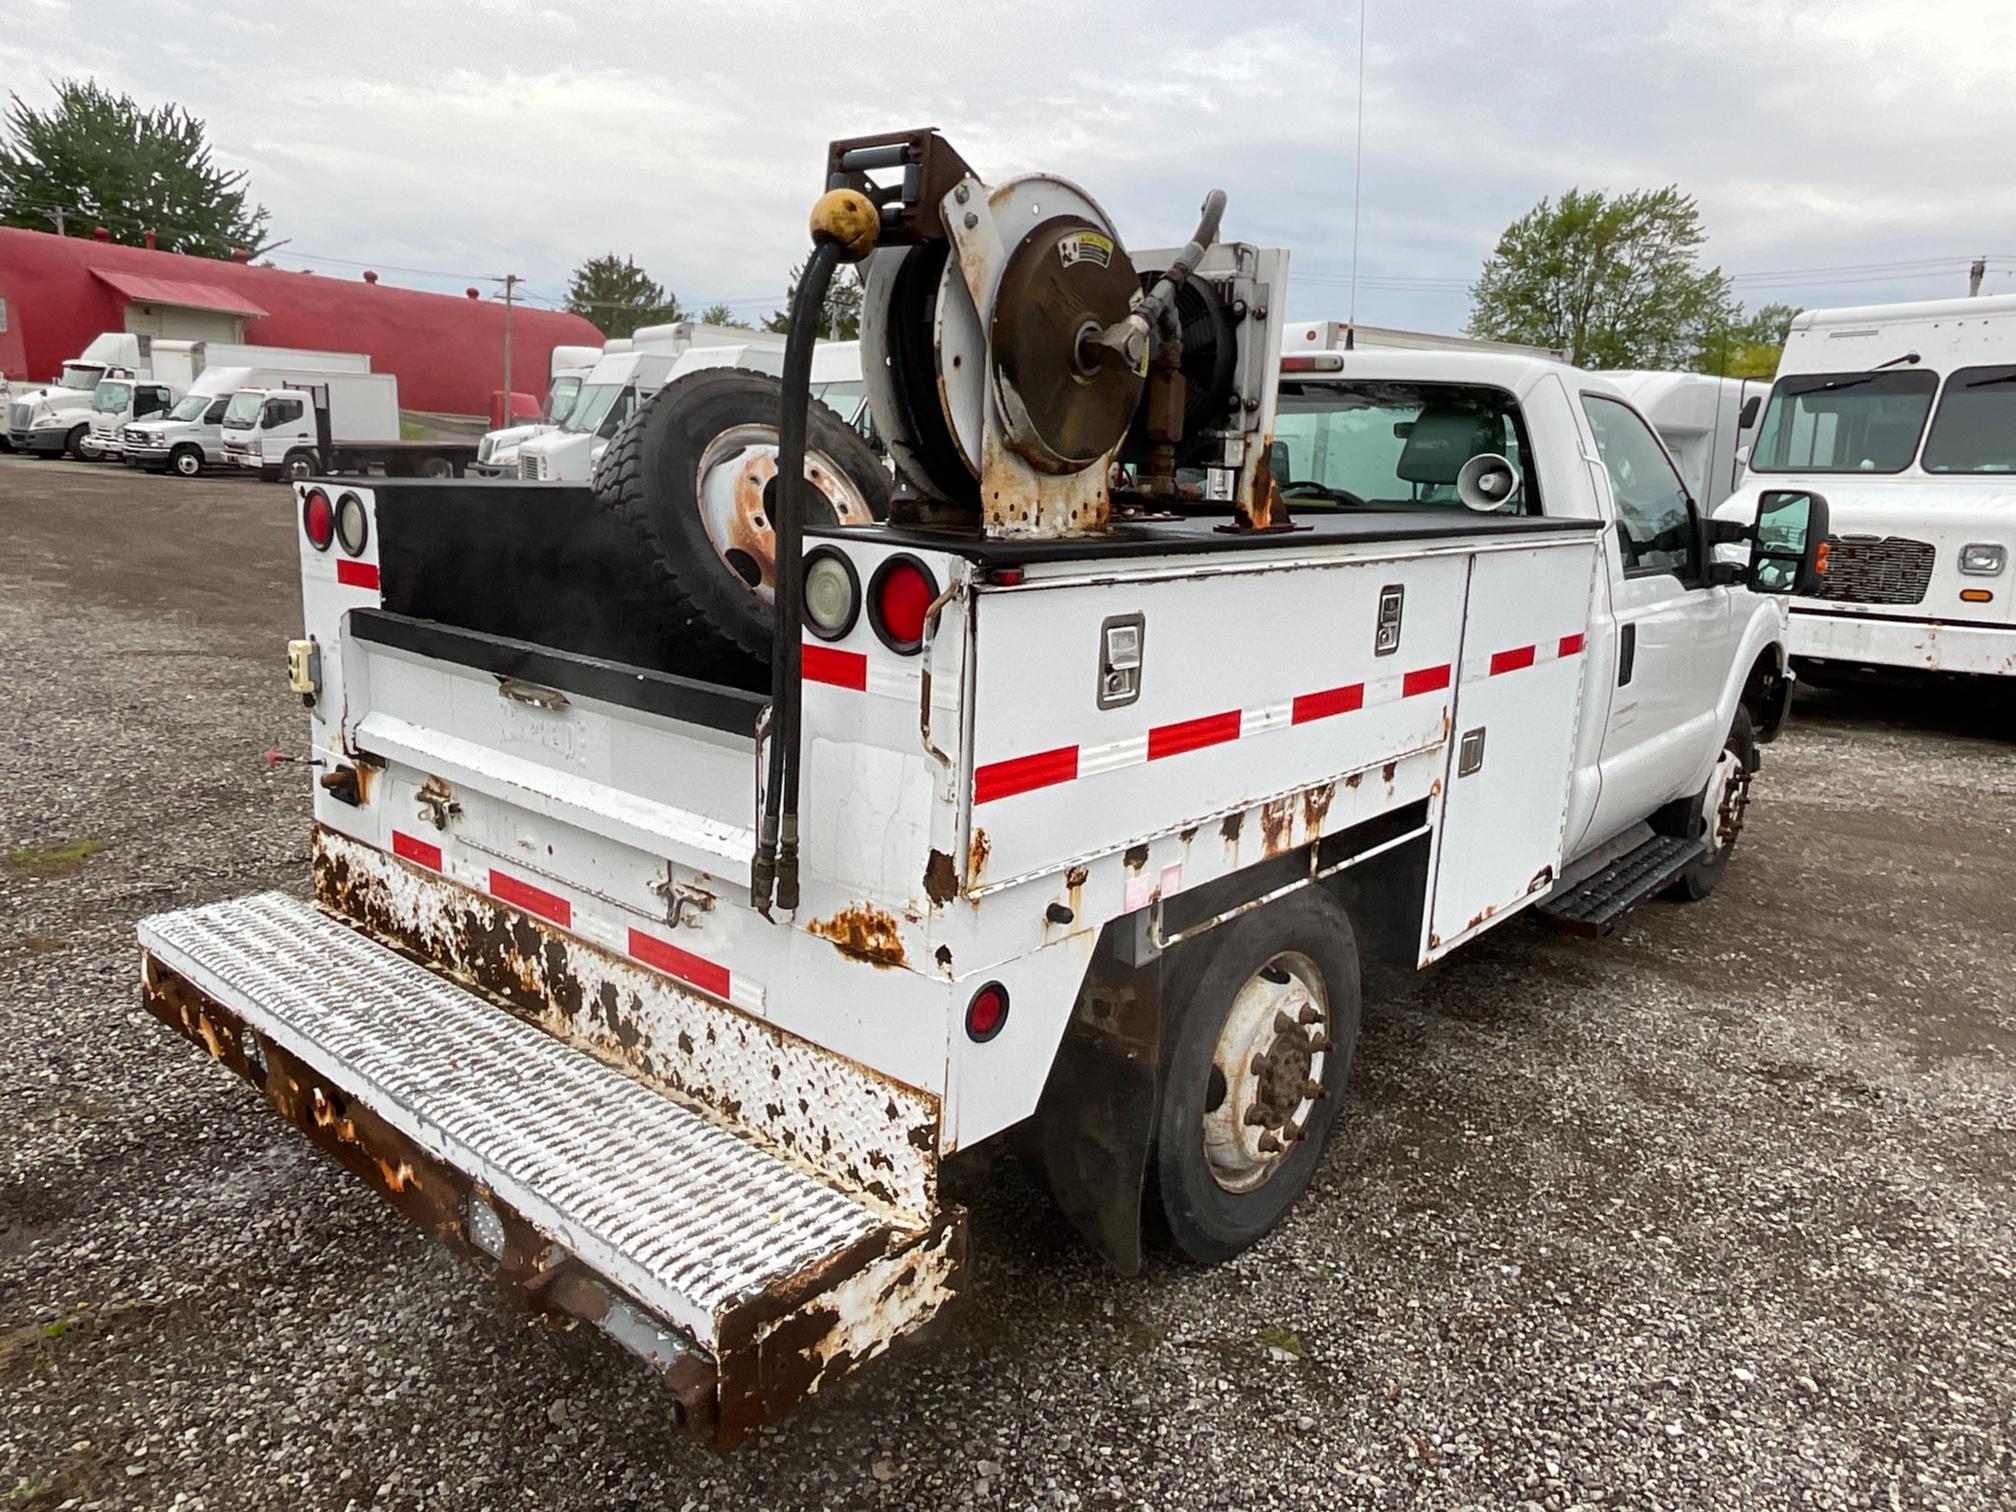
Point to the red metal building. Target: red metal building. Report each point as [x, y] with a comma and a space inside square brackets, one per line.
[447, 351]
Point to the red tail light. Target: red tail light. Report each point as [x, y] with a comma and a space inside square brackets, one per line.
[987, 1013]
[318, 519]
[899, 597]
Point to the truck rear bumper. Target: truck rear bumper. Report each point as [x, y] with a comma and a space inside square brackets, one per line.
[745, 1281]
[1903, 643]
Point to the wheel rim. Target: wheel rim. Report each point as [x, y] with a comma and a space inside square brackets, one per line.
[187, 465]
[1266, 1072]
[734, 470]
[300, 467]
[1728, 801]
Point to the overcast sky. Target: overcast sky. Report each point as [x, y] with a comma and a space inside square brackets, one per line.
[1842, 153]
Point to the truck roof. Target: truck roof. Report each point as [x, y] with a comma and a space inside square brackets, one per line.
[1908, 313]
[1506, 370]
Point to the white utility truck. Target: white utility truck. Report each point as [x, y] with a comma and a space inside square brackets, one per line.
[664, 985]
[568, 369]
[622, 382]
[1906, 415]
[53, 419]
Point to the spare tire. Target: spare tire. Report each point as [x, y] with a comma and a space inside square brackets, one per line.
[686, 476]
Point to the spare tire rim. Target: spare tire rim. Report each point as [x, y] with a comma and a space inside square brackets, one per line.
[1266, 1072]
[734, 471]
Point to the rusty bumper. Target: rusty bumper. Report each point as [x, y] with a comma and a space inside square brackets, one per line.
[772, 1350]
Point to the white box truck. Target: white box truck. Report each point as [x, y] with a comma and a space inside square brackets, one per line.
[1906, 415]
[278, 431]
[177, 366]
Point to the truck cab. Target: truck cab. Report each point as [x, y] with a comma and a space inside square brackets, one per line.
[497, 451]
[1905, 415]
[117, 403]
[55, 418]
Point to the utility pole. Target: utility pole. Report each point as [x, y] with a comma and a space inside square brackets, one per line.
[511, 282]
[57, 215]
[1974, 276]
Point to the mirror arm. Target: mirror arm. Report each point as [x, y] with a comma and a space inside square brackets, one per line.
[1726, 575]
[1730, 532]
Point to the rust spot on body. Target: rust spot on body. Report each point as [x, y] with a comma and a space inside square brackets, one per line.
[1386, 772]
[1316, 807]
[941, 878]
[977, 853]
[864, 932]
[1136, 857]
[1354, 779]
[1276, 819]
[1229, 830]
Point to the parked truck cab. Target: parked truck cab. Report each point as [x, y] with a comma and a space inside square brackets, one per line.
[117, 403]
[55, 419]
[1906, 416]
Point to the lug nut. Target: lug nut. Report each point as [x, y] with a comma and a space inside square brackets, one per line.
[1259, 1115]
[1308, 1015]
[1269, 1145]
[1314, 1090]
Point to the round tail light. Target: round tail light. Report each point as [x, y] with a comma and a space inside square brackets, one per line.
[318, 519]
[987, 1014]
[353, 524]
[832, 593]
[899, 596]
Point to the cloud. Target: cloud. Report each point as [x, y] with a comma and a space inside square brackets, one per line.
[524, 135]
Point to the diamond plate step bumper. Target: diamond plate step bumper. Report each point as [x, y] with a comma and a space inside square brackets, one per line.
[746, 1281]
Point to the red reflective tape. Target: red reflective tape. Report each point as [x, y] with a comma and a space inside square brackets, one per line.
[1192, 734]
[843, 669]
[1330, 701]
[407, 848]
[532, 899]
[1571, 645]
[682, 964]
[1513, 660]
[357, 574]
[1425, 680]
[1004, 779]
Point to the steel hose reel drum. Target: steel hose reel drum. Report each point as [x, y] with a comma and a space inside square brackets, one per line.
[997, 405]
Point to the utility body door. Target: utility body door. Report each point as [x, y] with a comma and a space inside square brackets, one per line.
[1673, 630]
[1518, 709]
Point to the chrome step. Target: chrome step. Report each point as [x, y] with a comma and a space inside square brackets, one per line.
[683, 1215]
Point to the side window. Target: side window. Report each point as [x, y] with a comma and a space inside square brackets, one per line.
[1655, 518]
[282, 412]
[152, 402]
[215, 414]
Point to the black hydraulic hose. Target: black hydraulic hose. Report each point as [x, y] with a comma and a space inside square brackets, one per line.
[776, 866]
[1162, 297]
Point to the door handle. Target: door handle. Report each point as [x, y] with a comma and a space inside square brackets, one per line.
[1627, 653]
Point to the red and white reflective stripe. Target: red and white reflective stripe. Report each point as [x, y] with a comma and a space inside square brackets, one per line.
[1021, 774]
[615, 933]
[889, 675]
[1519, 658]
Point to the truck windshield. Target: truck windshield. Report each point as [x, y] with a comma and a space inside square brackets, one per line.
[112, 397]
[243, 408]
[1975, 429]
[601, 409]
[1844, 422]
[1394, 445]
[191, 407]
[560, 398]
[80, 375]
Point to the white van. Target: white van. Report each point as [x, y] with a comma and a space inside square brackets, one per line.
[1904, 415]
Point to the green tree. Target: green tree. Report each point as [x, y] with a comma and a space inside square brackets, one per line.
[721, 315]
[839, 316]
[1615, 281]
[618, 296]
[1749, 346]
[96, 158]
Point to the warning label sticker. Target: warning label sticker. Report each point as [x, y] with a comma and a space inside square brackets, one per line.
[1086, 246]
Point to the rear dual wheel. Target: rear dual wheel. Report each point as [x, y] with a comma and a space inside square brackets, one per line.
[1264, 1017]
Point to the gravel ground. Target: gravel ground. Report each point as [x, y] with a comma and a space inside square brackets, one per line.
[1717, 1212]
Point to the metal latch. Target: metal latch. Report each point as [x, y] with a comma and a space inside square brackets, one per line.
[304, 669]
[1386, 638]
[1120, 640]
[1470, 752]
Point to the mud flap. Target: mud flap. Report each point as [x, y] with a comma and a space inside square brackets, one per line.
[1094, 1130]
